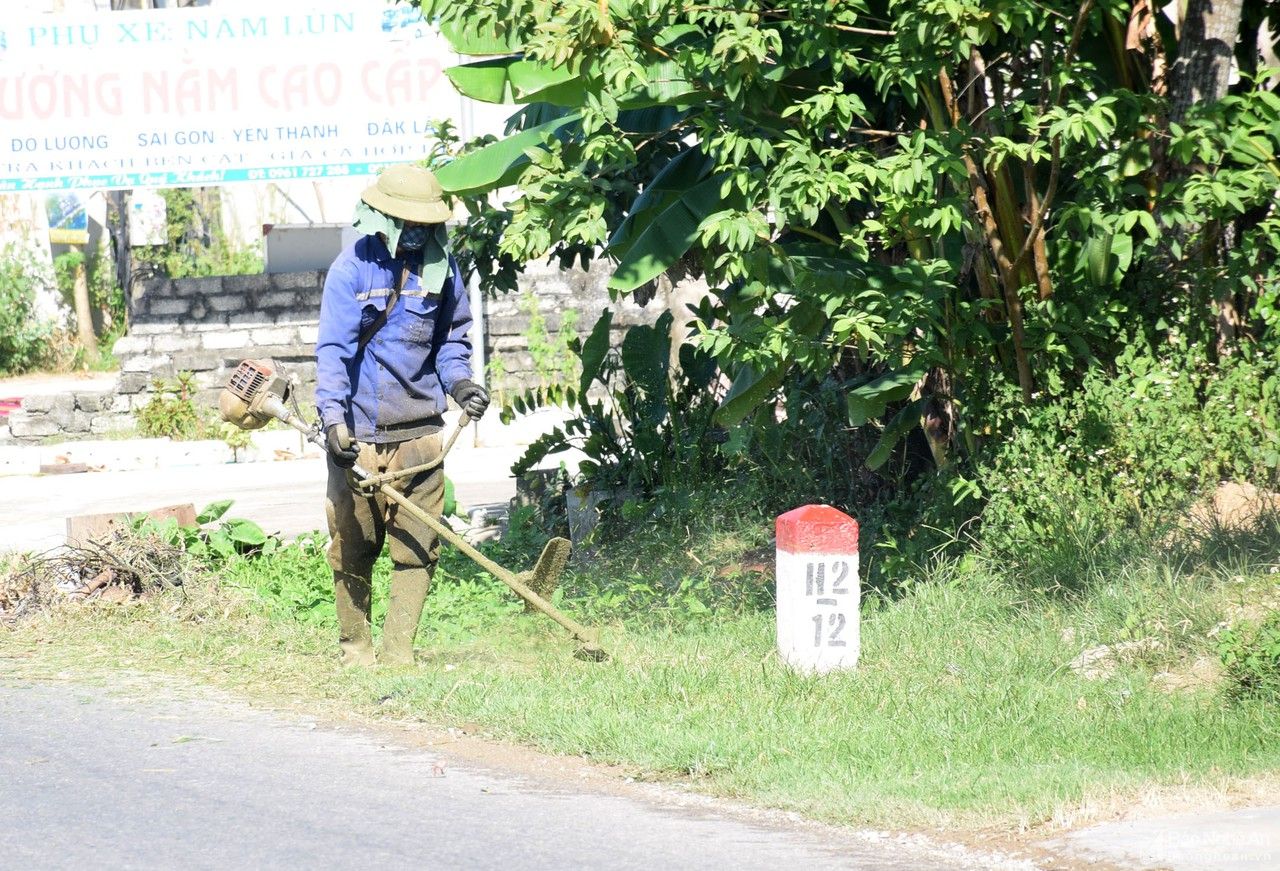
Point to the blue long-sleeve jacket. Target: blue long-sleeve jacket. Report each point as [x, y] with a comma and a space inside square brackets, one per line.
[394, 389]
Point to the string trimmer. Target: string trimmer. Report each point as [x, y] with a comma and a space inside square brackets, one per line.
[258, 393]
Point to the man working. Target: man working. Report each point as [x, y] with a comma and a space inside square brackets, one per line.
[392, 343]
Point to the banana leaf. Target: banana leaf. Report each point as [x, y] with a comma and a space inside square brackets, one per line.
[903, 422]
[594, 350]
[665, 237]
[680, 174]
[497, 164]
[869, 400]
[750, 387]
[516, 80]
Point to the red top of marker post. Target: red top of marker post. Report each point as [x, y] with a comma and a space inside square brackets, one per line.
[817, 529]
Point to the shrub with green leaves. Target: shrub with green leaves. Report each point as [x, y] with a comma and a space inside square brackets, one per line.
[171, 412]
[195, 243]
[1133, 444]
[215, 538]
[641, 423]
[24, 338]
[1250, 652]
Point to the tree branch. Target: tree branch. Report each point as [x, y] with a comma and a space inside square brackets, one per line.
[1055, 161]
[991, 229]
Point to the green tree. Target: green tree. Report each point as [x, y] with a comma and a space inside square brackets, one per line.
[918, 204]
[196, 244]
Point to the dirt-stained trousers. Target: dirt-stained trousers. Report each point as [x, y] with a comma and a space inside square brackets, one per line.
[359, 524]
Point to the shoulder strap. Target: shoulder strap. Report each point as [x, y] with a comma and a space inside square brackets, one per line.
[368, 332]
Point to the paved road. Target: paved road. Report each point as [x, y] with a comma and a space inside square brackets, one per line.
[285, 497]
[1236, 840]
[96, 779]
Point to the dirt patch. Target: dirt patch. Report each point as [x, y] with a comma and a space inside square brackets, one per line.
[1173, 799]
[1202, 673]
[1234, 507]
[1097, 663]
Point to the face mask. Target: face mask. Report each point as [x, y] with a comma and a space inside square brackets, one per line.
[413, 237]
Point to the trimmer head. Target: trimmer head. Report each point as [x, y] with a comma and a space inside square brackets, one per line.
[545, 577]
[590, 650]
[544, 580]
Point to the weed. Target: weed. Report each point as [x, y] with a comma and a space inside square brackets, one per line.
[231, 537]
[552, 352]
[1132, 448]
[293, 583]
[1250, 652]
[171, 411]
[235, 438]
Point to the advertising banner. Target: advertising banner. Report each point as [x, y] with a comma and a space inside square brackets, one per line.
[216, 94]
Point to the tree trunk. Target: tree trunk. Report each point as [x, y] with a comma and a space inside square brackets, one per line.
[995, 242]
[84, 315]
[1206, 50]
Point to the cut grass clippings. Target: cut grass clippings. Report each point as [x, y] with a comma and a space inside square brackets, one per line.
[962, 712]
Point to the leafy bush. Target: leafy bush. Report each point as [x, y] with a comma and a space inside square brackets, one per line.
[24, 339]
[231, 537]
[1250, 652]
[641, 424]
[195, 243]
[293, 582]
[1069, 488]
[171, 411]
[235, 438]
[1132, 447]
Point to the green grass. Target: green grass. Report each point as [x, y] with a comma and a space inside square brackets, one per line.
[963, 710]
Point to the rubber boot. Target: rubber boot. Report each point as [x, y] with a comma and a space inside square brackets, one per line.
[352, 593]
[409, 588]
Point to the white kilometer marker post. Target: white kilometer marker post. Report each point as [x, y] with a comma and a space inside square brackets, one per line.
[817, 589]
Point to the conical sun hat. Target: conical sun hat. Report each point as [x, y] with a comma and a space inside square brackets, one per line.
[410, 193]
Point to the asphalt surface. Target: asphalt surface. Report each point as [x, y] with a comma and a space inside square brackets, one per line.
[101, 779]
[1237, 840]
[286, 497]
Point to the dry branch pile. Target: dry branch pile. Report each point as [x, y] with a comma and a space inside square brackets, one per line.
[115, 568]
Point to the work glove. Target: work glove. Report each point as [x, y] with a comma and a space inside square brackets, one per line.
[473, 398]
[341, 446]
